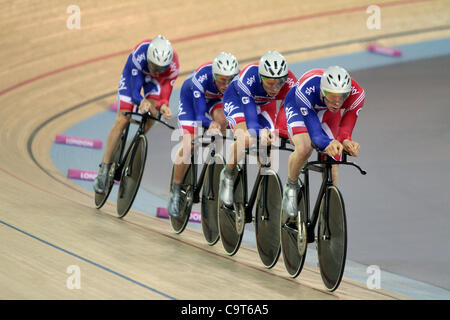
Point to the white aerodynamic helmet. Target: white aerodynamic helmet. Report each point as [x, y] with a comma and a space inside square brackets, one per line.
[335, 79]
[273, 65]
[160, 52]
[225, 64]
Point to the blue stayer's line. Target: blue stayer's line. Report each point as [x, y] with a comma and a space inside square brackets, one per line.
[88, 261]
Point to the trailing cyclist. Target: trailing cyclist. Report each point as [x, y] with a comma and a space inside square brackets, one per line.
[200, 105]
[152, 66]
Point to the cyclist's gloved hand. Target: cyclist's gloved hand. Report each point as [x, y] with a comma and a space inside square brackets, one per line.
[214, 128]
[165, 111]
[334, 148]
[352, 147]
[145, 106]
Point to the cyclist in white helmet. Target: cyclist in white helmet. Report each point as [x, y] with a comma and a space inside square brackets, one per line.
[312, 113]
[250, 107]
[152, 66]
[200, 106]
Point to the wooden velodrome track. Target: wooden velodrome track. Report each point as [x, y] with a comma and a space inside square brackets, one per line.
[48, 224]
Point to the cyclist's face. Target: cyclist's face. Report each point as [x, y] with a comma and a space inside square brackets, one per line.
[272, 86]
[222, 82]
[334, 101]
[156, 70]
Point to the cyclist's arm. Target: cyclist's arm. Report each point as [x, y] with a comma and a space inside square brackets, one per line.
[136, 65]
[137, 81]
[248, 105]
[251, 116]
[200, 108]
[168, 82]
[312, 122]
[350, 116]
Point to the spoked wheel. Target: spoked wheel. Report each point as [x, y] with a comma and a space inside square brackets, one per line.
[332, 246]
[267, 218]
[130, 179]
[232, 220]
[100, 198]
[210, 198]
[187, 199]
[294, 238]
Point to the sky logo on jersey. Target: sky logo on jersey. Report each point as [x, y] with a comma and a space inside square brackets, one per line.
[309, 90]
[290, 112]
[251, 80]
[304, 111]
[180, 109]
[122, 85]
[290, 82]
[140, 57]
[245, 100]
[228, 107]
[202, 78]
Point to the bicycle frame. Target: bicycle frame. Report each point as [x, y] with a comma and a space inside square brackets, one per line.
[198, 184]
[326, 182]
[140, 131]
[248, 204]
[133, 146]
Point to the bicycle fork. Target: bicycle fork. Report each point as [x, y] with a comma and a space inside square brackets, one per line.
[326, 205]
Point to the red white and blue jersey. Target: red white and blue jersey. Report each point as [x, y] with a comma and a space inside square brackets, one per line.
[199, 98]
[304, 107]
[136, 76]
[245, 98]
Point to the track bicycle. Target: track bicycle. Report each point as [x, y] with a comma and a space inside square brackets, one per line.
[328, 214]
[128, 165]
[207, 183]
[265, 198]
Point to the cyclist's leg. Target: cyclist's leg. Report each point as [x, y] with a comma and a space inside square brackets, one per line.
[300, 139]
[183, 157]
[188, 129]
[116, 130]
[111, 145]
[236, 120]
[188, 126]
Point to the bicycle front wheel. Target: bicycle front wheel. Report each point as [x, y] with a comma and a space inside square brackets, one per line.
[210, 198]
[267, 218]
[187, 199]
[332, 244]
[132, 171]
